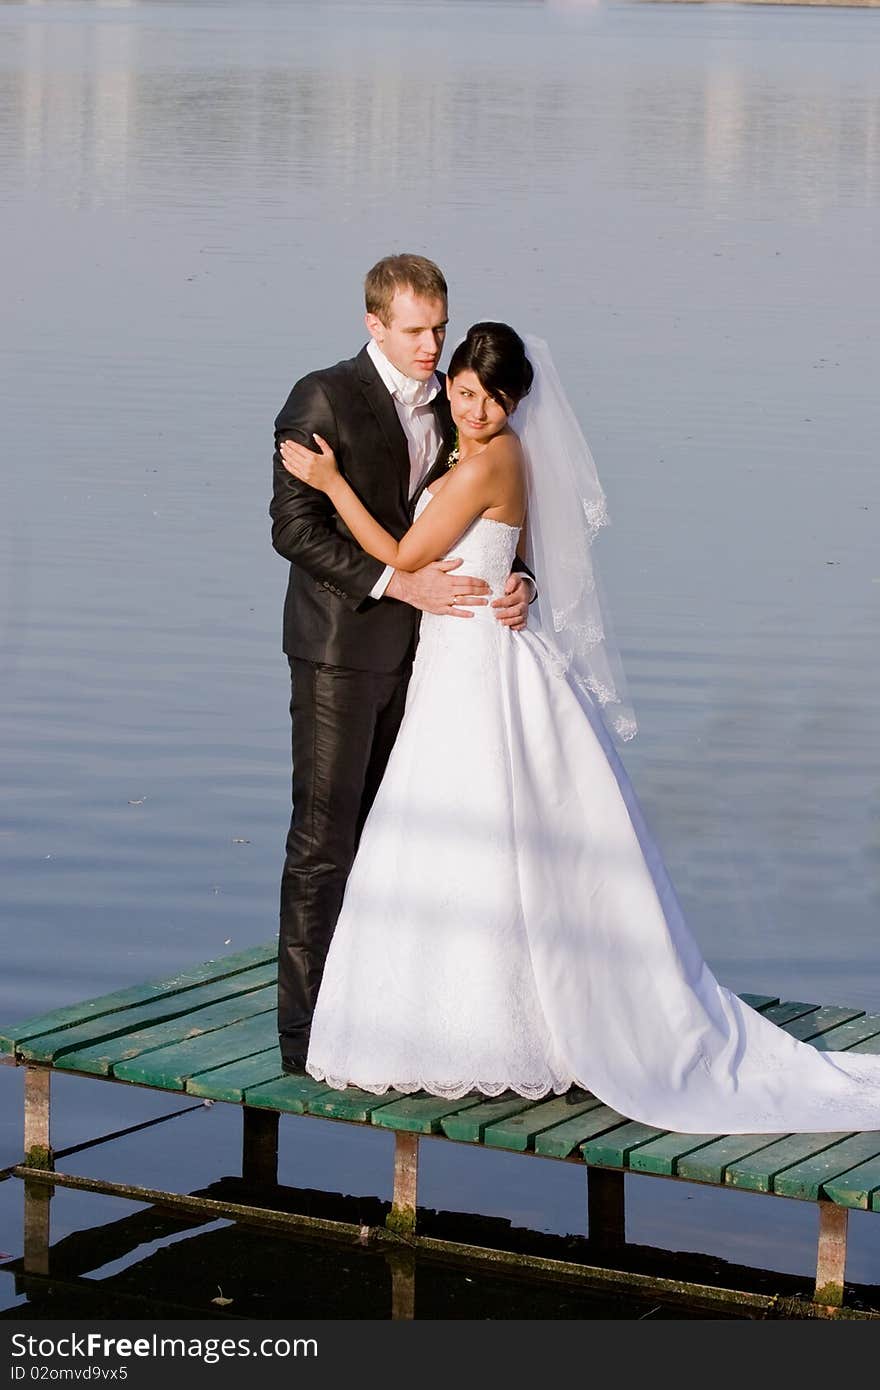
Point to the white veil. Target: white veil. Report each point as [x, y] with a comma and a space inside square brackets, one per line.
[566, 510]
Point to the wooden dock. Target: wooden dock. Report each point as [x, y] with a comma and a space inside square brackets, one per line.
[210, 1032]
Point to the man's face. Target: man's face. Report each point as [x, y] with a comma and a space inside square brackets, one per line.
[412, 339]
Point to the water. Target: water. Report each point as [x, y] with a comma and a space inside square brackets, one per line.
[681, 199]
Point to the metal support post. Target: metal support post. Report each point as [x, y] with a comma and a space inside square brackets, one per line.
[402, 1217]
[259, 1145]
[38, 1154]
[831, 1261]
[605, 1208]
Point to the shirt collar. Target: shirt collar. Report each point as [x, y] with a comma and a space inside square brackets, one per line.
[405, 388]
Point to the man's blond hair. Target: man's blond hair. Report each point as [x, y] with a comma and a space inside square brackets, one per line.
[415, 273]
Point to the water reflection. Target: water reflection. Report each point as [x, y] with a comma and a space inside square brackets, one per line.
[112, 104]
[163, 1264]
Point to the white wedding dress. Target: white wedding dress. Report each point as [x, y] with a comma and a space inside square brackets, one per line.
[509, 924]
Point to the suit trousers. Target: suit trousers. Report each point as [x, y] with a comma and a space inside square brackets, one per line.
[344, 724]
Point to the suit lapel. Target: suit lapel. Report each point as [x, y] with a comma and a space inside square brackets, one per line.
[443, 416]
[382, 405]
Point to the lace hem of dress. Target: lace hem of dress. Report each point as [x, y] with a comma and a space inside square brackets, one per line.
[492, 1089]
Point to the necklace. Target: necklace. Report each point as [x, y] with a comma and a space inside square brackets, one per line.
[454, 453]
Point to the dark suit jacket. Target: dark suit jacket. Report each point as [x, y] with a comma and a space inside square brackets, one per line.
[328, 613]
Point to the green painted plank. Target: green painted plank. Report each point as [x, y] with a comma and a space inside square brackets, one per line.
[709, 1164]
[230, 1081]
[759, 1001]
[869, 1045]
[473, 1125]
[470, 1125]
[518, 1132]
[787, 1012]
[421, 1114]
[613, 1149]
[171, 1067]
[663, 1154]
[49, 1047]
[807, 1179]
[856, 1187]
[849, 1034]
[758, 1172]
[351, 1104]
[813, 1025]
[105, 1057]
[193, 975]
[562, 1140]
[290, 1094]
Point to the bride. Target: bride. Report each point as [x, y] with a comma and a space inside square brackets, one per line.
[509, 924]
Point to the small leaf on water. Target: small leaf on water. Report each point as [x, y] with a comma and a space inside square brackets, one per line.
[220, 1300]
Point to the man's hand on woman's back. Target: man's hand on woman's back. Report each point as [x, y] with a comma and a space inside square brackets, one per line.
[435, 588]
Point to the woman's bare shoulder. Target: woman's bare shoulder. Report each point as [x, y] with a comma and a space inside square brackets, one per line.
[503, 450]
[494, 461]
[506, 444]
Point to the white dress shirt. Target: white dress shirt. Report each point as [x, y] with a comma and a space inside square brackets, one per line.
[412, 401]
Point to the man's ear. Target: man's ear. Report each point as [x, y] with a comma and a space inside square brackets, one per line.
[375, 328]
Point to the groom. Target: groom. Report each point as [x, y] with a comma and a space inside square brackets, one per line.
[350, 623]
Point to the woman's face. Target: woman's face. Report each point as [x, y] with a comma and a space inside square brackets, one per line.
[477, 415]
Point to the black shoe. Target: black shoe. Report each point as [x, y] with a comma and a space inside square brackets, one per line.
[576, 1095]
[294, 1065]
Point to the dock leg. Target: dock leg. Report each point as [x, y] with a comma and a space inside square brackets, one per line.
[831, 1262]
[259, 1145]
[606, 1213]
[402, 1216]
[403, 1284]
[37, 1154]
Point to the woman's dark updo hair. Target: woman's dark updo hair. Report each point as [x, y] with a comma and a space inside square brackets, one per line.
[496, 354]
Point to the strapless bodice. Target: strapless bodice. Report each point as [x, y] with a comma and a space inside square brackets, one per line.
[486, 550]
